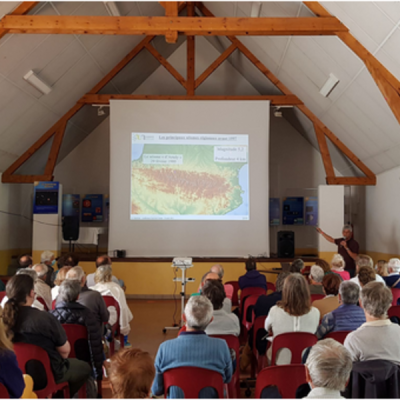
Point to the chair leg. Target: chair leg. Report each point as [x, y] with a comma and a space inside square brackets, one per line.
[99, 388]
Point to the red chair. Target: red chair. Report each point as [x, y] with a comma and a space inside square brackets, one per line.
[394, 311]
[29, 352]
[250, 302]
[260, 359]
[78, 339]
[234, 385]
[235, 297]
[396, 295]
[296, 342]
[41, 301]
[111, 302]
[53, 304]
[249, 291]
[271, 286]
[183, 329]
[339, 336]
[2, 295]
[192, 379]
[317, 297]
[286, 377]
[4, 392]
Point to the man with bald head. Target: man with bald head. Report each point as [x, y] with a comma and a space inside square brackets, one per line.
[102, 260]
[217, 269]
[42, 289]
[25, 261]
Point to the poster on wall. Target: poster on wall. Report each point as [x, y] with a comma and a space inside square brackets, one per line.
[274, 211]
[70, 205]
[45, 197]
[92, 208]
[312, 211]
[293, 211]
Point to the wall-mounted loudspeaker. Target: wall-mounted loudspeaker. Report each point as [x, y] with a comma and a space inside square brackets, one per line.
[70, 228]
[285, 244]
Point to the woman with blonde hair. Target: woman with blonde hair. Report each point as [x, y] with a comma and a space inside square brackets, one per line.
[381, 268]
[293, 313]
[61, 276]
[337, 265]
[131, 374]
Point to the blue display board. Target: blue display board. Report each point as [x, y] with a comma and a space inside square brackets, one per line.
[92, 208]
[293, 211]
[274, 211]
[70, 205]
[312, 211]
[45, 197]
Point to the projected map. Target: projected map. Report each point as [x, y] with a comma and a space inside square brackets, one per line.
[189, 176]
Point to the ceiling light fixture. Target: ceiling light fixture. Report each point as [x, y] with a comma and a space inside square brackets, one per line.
[112, 8]
[37, 83]
[329, 85]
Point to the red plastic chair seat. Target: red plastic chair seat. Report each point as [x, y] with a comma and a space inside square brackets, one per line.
[317, 297]
[4, 392]
[296, 342]
[27, 352]
[271, 286]
[249, 291]
[53, 304]
[235, 296]
[339, 336]
[394, 311]
[250, 302]
[396, 295]
[111, 302]
[286, 377]
[192, 379]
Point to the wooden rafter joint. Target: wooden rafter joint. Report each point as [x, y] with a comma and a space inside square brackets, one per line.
[352, 181]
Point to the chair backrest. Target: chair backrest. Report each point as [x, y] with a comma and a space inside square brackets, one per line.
[394, 311]
[287, 378]
[2, 295]
[249, 291]
[29, 358]
[317, 297]
[396, 295]
[235, 296]
[111, 302]
[250, 302]
[339, 336]
[192, 379]
[228, 291]
[296, 342]
[78, 339]
[41, 301]
[53, 304]
[259, 323]
[271, 286]
[4, 392]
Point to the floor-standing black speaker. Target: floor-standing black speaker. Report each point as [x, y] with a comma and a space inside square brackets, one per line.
[70, 228]
[285, 244]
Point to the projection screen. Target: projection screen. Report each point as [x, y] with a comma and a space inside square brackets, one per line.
[189, 178]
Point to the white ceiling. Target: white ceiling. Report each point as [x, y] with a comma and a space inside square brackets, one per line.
[355, 111]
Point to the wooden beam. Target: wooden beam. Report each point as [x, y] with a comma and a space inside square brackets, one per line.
[22, 9]
[352, 181]
[166, 65]
[27, 178]
[171, 10]
[55, 149]
[324, 150]
[63, 24]
[215, 65]
[105, 98]
[190, 54]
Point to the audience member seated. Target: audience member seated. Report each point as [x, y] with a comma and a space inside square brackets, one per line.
[106, 287]
[338, 267]
[102, 260]
[296, 266]
[10, 374]
[223, 323]
[364, 261]
[69, 311]
[393, 279]
[348, 316]
[26, 324]
[193, 348]
[71, 260]
[293, 313]
[61, 276]
[25, 261]
[60, 264]
[324, 265]
[315, 277]
[47, 258]
[252, 278]
[91, 299]
[366, 275]
[42, 289]
[131, 374]
[381, 268]
[330, 302]
[378, 338]
[328, 369]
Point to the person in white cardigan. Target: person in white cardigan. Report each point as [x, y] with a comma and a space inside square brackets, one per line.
[107, 287]
[293, 313]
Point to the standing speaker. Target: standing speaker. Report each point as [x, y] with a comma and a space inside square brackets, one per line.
[70, 228]
[285, 244]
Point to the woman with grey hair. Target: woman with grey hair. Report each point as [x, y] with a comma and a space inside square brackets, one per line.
[378, 338]
[106, 287]
[328, 369]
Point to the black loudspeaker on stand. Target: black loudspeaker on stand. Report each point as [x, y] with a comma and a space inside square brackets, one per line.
[70, 229]
[285, 244]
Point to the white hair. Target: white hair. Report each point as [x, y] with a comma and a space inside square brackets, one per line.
[317, 273]
[47, 255]
[42, 269]
[338, 262]
[329, 365]
[28, 271]
[198, 312]
[103, 274]
[376, 299]
[347, 227]
[75, 274]
[394, 264]
[349, 292]
[217, 268]
[69, 291]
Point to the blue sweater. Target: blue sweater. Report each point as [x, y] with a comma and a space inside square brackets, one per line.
[192, 349]
[391, 280]
[10, 374]
[253, 279]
